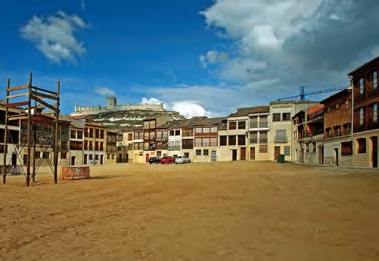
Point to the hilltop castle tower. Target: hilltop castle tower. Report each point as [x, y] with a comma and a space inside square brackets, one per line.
[111, 103]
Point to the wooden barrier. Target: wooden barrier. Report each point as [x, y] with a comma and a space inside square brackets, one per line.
[81, 172]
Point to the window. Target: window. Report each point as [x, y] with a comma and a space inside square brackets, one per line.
[262, 148]
[287, 150]
[314, 147]
[2, 149]
[45, 155]
[63, 154]
[199, 130]
[130, 136]
[232, 125]
[375, 112]
[337, 106]
[223, 140]
[197, 142]
[187, 144]
[108, 156]
[286, 116]
[242, 125]
[361, 145]
[232, 140]
[346, 148]
[280, 136]
[113, 156]
[90, 157]
[96, 157]
[177, 133]
[263, 137]
[213, 129]
[375, 80]
[198, 152]
[205, 142]
[276, 117]
[361, 115]
[253, 137]
[361, 87]
[328, 132]
[213, 142]
[172, 132]
[205, 130]
[205, 152]
[347, 105]
[241, 140]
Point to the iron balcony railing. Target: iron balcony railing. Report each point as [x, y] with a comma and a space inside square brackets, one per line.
[258, 125]
[256, 140]
[281, 139]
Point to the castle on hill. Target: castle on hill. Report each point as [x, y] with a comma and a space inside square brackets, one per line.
[112, 106]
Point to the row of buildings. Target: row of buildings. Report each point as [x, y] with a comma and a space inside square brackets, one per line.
[340, 130]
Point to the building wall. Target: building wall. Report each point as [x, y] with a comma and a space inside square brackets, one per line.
[365, 159]
[331, 147]
[78, 154]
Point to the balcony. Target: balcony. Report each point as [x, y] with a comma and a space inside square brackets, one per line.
[281, 139]
[255, 125]
[260, 140]
[173, 147]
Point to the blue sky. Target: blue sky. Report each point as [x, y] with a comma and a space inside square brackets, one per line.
[198, 57]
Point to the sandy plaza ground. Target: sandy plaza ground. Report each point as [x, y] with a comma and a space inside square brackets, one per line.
[197, 211]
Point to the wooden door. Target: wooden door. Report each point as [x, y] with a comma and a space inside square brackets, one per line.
[336, 157]
[147, 156]
[213, 156]
[234, 155]
[85, 159]
[252, 153]
[72, 160]
[243, 153]
[374, 141]
[276, 152]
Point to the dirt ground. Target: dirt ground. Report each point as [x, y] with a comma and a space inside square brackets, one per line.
[197, 211]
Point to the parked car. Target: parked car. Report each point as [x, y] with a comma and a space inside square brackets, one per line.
[154, 160]
[182, 159]
[167, 159]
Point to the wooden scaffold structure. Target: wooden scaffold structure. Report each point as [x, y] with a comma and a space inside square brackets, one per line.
[31, 113]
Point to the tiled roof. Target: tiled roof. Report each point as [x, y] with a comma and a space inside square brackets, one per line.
[210, 121]
[338, 94]
[249, 110]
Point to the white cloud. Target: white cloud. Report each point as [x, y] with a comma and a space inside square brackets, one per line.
[54, 36]
[189, 109]
[150, 101]
[213, 57]
[104, 91]
[291, 42]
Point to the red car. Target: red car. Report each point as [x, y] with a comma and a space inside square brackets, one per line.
[167, 159]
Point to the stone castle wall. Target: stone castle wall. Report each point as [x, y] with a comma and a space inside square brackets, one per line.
[99, 109]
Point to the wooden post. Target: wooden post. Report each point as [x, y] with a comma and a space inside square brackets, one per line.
[6, 134]
[34, 150]
[29, 130]
[56, 135]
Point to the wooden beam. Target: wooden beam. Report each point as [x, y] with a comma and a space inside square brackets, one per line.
[24, 86]
[43, 90]
[15, 118]
[16, 104]
[43, 95]
[51, 107]
[17, 95]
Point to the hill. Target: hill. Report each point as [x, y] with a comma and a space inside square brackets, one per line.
[129, 118]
